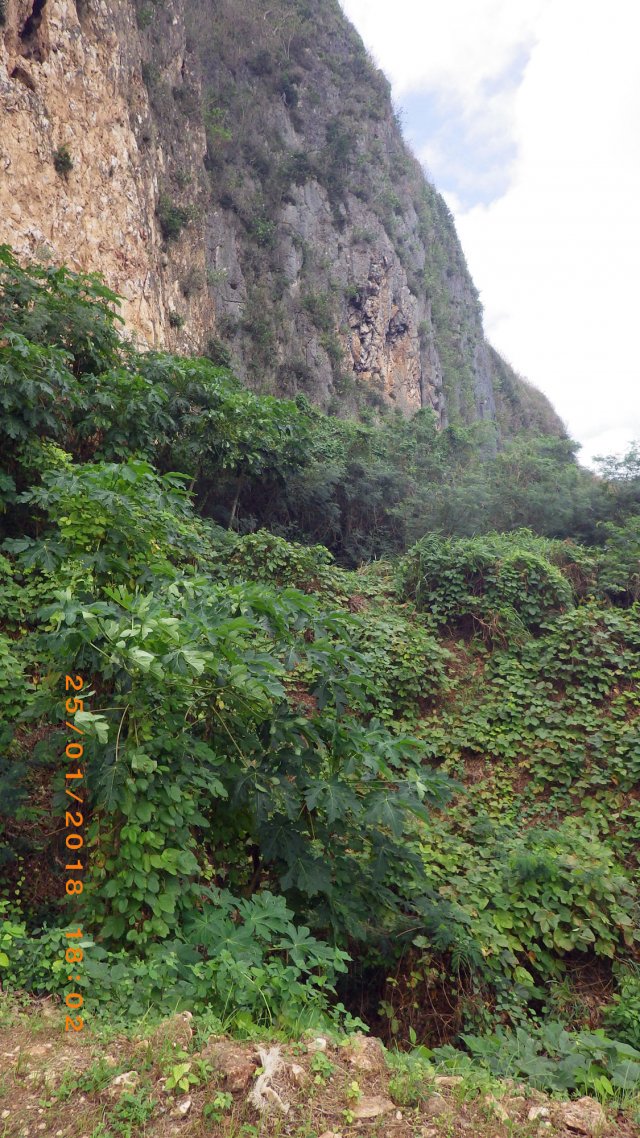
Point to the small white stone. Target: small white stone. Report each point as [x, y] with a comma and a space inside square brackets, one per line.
[126, 1080]
[317, 1044]
[399, 1115]
[496, 1108]
[184, 1106]
[538, 1112]
[298, 1074]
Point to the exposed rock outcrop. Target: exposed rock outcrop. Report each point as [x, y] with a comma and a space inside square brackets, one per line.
[236, 171]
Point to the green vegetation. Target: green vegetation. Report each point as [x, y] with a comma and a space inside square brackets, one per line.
[313, 789]
[552, 1059]
[172, 217]
[62, 161]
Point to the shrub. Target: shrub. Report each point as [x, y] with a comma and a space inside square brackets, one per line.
[193, 281]
[262, 63]
[297, 168]
[498, 582]
[288, 89]
[619, 568]
[320, 309]
[216, 126]
[62, 161]
[264, 557]
[263, 230]
[332, 346]
[150, 74]
[622, 1016]
[363, 236]
[217, 352]
[144, 16]
[243, 960]
[519, 904]
[172, 217]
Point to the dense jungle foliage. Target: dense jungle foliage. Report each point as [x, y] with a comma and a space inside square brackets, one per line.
[359, 708]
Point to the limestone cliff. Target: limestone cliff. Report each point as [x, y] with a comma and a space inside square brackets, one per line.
[235, 170]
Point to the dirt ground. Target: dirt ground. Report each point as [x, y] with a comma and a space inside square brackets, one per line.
[91, 1084]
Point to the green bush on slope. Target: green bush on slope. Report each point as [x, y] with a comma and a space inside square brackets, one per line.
[498, 582]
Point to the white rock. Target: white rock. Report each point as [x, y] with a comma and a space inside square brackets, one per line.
[371, 1106]
[184, 1106]
[298, 1074]
[127, 1081]
[448, 1080]
[317, 1044]
[366, 1054]
[496, 1108]
[436, 1104]
[538, 1112]
[586, 1116]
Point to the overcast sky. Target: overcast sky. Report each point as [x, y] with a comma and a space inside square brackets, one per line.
[526, 116]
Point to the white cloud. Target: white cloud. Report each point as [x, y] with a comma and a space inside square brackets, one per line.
[455, 48]
[555, 256]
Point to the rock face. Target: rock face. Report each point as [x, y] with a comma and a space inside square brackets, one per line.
[81, 165]
[236, 171]
[69, 98]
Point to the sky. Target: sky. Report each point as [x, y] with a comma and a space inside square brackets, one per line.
[526, 115]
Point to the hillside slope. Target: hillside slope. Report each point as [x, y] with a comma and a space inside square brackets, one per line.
[236, 170]
[239, 780]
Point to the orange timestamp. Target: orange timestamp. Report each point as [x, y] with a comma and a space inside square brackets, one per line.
[74, 841]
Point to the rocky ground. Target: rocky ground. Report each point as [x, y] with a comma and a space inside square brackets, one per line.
[175, 1081]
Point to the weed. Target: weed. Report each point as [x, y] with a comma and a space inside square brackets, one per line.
[322, 1067]
[219, 1106]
